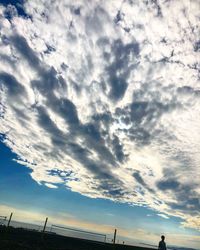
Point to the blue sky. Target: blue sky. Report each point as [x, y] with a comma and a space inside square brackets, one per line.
[99, 116]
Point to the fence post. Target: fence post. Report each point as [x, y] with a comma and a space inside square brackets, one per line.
[45, 225]
[9, 220]
[114, 236]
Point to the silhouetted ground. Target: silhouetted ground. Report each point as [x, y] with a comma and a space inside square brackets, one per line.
[21, 239]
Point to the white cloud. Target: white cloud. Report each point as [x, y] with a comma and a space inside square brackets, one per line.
[50, 185]
[163, 216]
[105, 101]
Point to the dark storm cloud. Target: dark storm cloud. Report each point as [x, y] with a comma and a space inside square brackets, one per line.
[136, 132]
[46, 84]
[22, 46]
[142, 116]
[187, 90]
[147, 110]
[189, 204]
[169, 184]
[99, 147]
[118, 149]
[185, 193]
[92, 130]
[188, 201]
[121, 67]
[57, 136]
[65, 143]
[140, 180]
[14, 88]
[102, 136]
[105, 119]
[197, 46]
[16, 96]
[112, 188]
[49, 81]
[120, 62]
[66, 109]
[49, 78]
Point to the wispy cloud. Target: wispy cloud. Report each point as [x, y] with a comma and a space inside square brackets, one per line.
[104, 100]
[163, 216]
[50, 185]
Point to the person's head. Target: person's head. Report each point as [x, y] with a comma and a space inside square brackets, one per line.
[163, 237]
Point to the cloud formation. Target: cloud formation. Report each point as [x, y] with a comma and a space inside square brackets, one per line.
[104, 98]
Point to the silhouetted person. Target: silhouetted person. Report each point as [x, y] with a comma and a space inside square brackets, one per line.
[162, 245]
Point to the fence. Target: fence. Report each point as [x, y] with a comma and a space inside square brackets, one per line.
[77, 233]
[68, 232]
[55, 229]
[3, 220]
[28, 226]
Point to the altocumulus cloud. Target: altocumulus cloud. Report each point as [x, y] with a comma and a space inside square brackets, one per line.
[103, 97]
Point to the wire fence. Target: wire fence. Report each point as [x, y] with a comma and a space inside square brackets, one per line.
[55, 229]
[77, 233]
[3, 220]
[27, 226]
[68, 232]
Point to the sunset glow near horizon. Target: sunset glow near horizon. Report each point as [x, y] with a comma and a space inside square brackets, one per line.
[100, 114]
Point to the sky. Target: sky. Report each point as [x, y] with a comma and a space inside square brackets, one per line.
[100, 114]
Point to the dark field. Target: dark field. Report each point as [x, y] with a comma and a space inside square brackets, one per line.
[21, 239]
